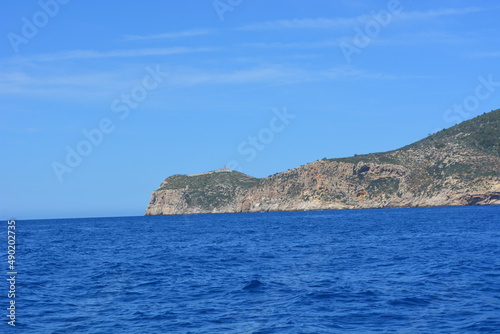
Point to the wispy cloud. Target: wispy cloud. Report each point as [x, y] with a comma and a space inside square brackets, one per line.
[435, 13]
[301, 45]
[485, 54]
[271, 74]
[78, 85]
[92, 54]
[62, 86]
[400, 39]
[167, 35]
[424, 37]
[319, 23]
[341, 23]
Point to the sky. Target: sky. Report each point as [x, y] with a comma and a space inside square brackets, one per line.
[101, 101]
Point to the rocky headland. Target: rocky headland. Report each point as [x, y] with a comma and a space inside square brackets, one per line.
[455, 166]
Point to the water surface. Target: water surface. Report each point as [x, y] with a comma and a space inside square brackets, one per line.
[421, 270]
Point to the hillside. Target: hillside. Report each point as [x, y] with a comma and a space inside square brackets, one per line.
[455, 166]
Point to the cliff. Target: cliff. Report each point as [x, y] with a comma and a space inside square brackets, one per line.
[455, 166]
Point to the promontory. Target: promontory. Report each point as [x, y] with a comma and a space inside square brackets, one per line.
[455, 166]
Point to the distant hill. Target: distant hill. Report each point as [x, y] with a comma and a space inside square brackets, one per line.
[455, 166]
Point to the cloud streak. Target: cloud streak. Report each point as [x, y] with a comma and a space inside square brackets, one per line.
[92, 54]
[168, 35]
[342, 23]
[435, 13]
[319, 23]
[486, 54]
[300, 45]
[82, 85]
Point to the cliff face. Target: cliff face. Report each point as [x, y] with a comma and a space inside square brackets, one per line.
[457, 166]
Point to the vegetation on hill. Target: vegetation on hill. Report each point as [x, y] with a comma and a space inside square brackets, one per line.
[481, 132]
[231, 179]
[210, 190]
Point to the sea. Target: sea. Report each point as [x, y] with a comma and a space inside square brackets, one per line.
[412, 270]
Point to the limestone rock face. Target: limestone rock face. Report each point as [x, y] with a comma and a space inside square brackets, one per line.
[457, 166]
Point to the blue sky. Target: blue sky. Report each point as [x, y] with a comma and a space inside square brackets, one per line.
[171, 87]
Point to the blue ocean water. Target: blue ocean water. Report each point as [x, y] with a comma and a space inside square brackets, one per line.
[420, 270]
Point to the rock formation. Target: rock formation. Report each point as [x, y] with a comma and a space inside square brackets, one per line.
[456, 166]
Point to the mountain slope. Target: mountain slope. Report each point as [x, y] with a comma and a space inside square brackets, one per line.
[455, 166]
